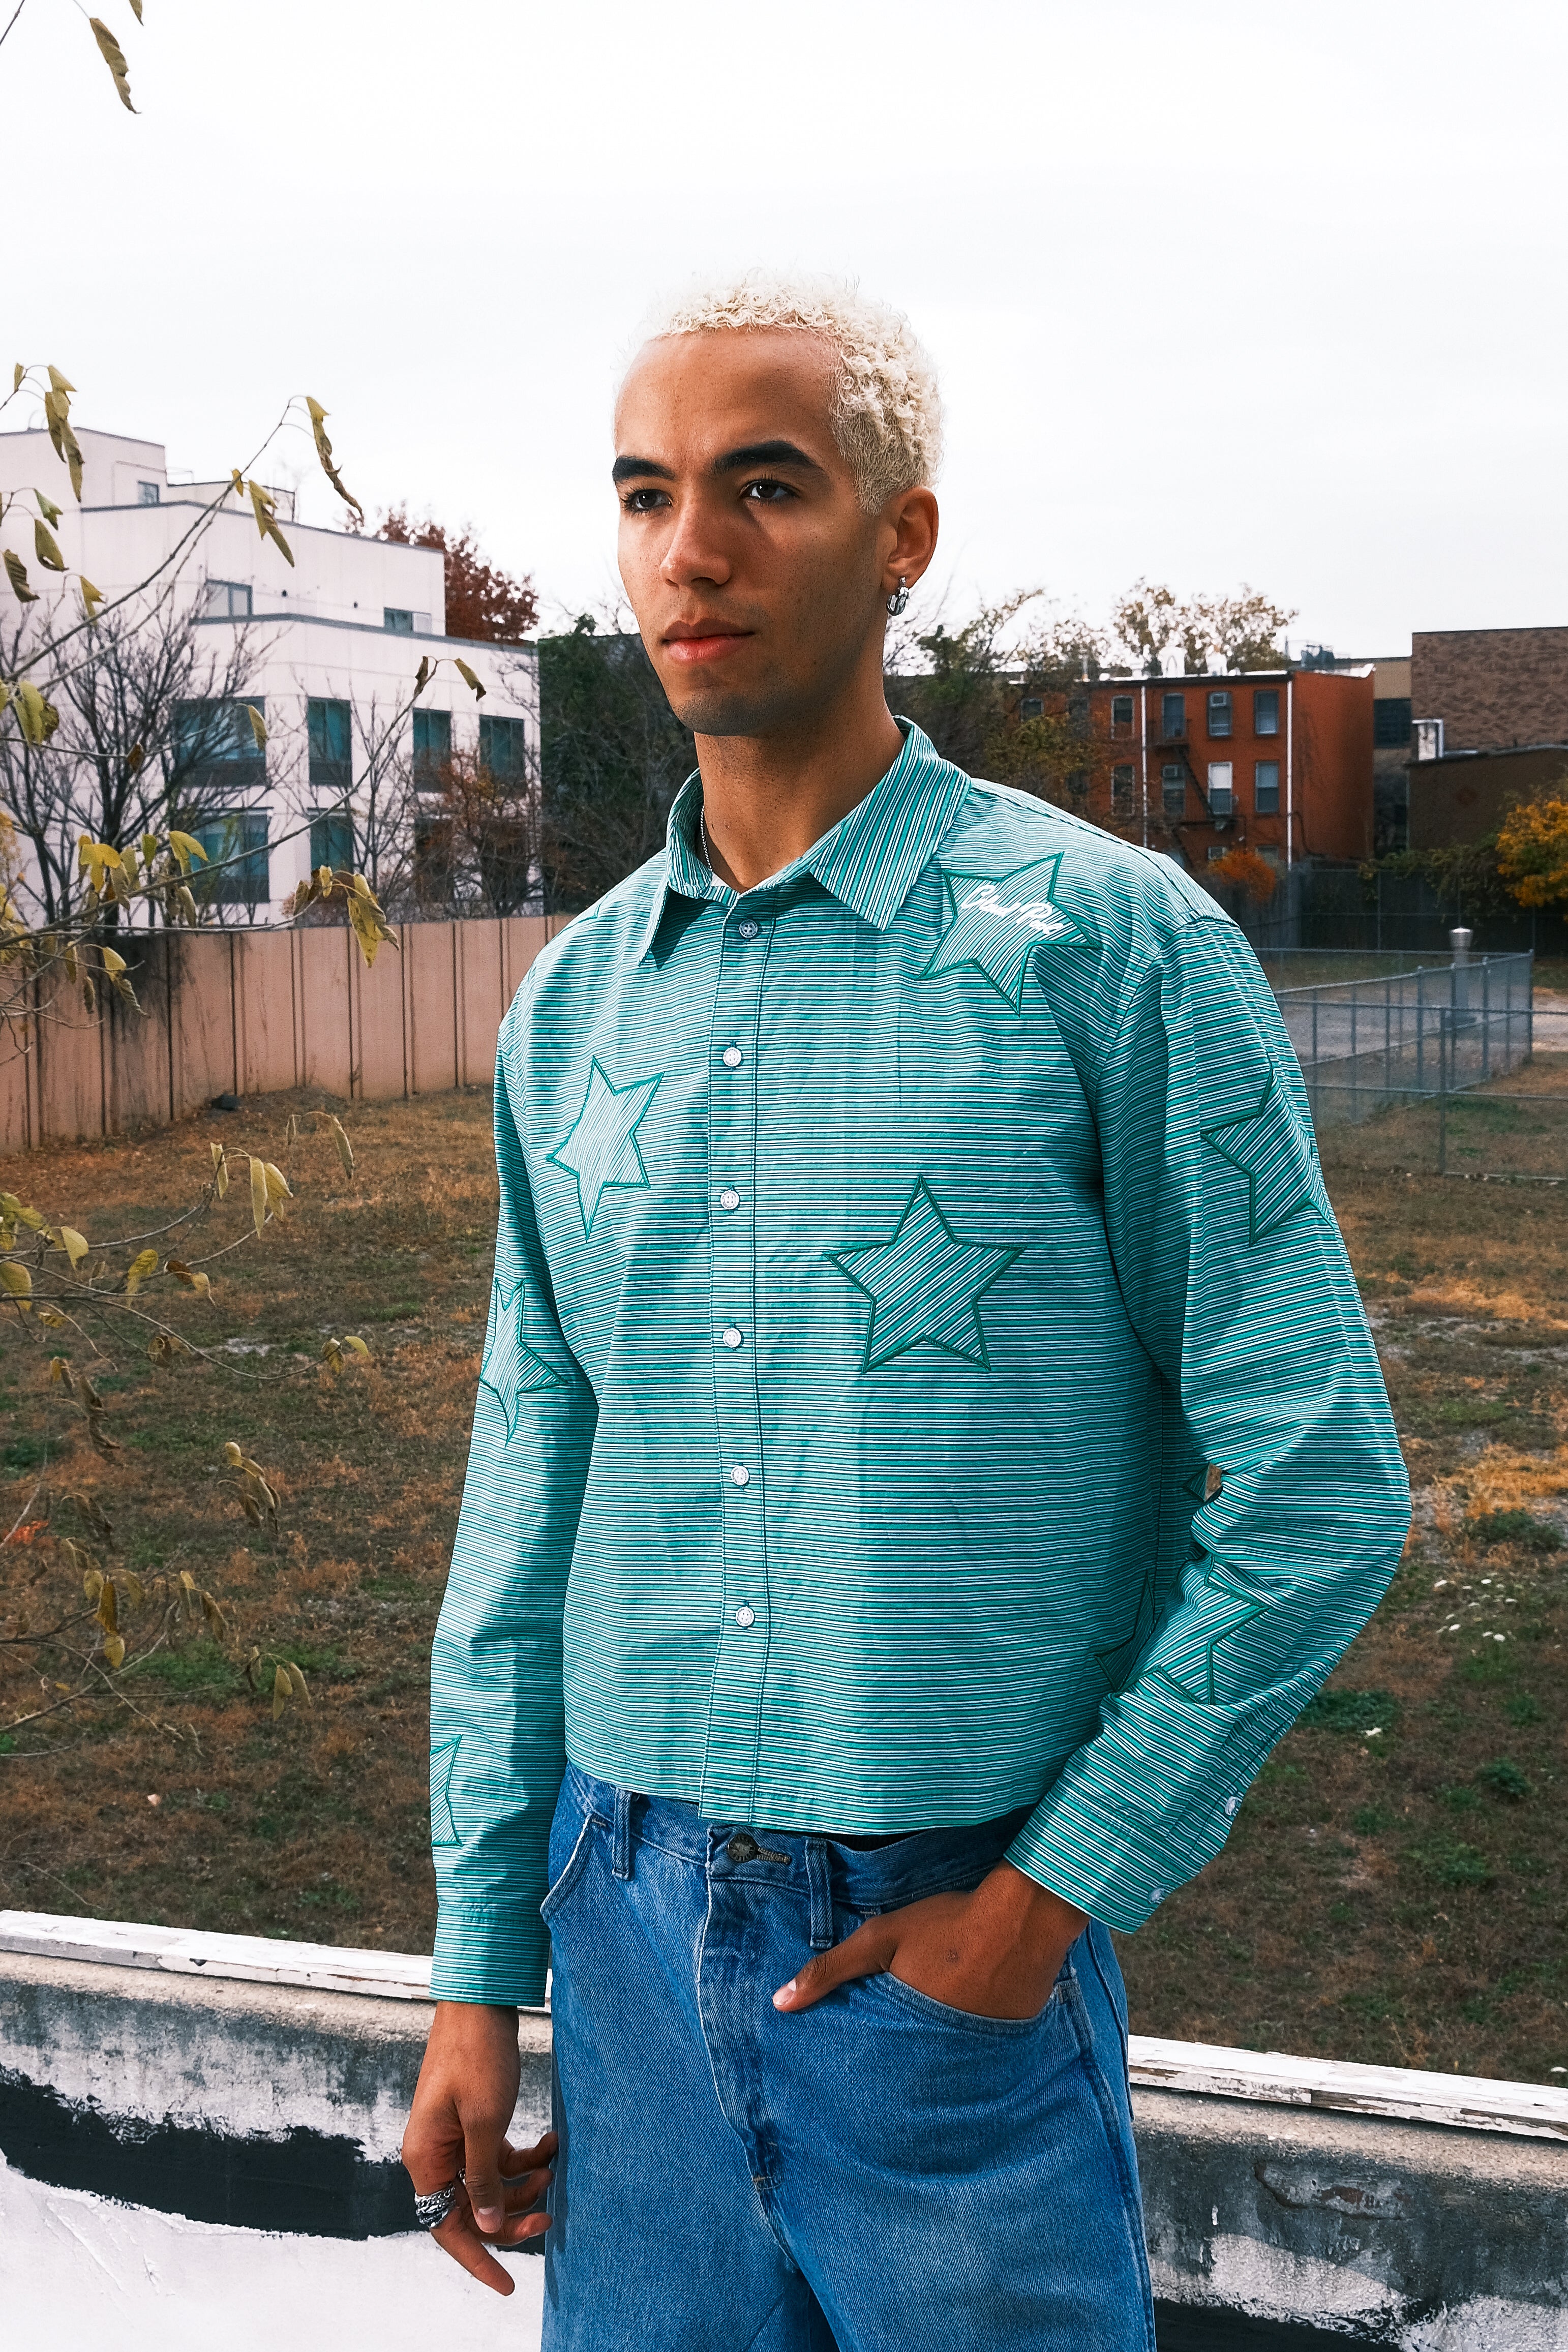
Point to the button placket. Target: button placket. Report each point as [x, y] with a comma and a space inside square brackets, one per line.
[738, 1467]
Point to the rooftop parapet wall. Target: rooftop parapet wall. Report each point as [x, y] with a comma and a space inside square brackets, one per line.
[166, 2098]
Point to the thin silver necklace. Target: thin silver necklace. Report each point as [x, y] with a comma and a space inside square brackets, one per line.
[702, 834]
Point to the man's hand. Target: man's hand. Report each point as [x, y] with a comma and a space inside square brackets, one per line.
[462, 2105]
[995, 1953]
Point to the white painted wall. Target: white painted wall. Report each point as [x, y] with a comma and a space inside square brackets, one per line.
[80, 2274]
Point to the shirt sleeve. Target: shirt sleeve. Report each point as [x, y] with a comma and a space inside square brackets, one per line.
[496, 1707]
[1237, 1283]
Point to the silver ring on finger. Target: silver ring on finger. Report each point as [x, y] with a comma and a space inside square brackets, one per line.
[430, 2212]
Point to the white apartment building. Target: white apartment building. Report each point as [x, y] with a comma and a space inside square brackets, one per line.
[334, 642]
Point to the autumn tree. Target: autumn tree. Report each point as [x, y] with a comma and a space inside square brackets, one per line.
[1533, 854]
[483, 602]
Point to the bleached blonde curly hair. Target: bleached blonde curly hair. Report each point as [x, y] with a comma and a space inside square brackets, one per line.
[887, 408]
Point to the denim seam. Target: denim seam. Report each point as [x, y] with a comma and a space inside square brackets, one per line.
[1132, 2198]
[1115, 2013]
[576, 1864]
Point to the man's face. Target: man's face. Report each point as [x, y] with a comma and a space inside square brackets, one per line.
[755, 576]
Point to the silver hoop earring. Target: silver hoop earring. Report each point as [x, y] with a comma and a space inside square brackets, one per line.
[896, 603]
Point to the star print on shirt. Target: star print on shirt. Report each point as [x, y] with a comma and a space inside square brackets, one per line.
[925, 1284]
[1269, 1148]
[600, 1148]
[443, 1827]
[1184, 1655]
[511, 1370]
[1116, 1661]
[997, 925]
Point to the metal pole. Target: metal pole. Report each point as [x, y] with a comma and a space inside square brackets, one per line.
[1442, 1020]
[1485, 1018]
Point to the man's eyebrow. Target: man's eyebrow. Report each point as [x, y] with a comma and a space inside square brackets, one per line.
[765, 453]
[627, 469]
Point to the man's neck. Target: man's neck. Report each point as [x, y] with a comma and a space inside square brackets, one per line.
[767, 798]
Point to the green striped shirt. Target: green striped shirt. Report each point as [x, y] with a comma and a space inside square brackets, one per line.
[885, 1256]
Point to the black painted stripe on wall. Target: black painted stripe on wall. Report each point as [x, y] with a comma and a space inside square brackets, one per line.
[1182, 2327]
[310, 2184]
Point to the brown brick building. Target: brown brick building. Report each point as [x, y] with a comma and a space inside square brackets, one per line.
[1279, 761]
[1489, 689]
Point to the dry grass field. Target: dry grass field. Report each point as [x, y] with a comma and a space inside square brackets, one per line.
[1393, 1891]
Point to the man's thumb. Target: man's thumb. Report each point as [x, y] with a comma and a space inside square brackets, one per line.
[482, 2177]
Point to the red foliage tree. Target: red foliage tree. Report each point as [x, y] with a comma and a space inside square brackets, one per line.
[482, 603]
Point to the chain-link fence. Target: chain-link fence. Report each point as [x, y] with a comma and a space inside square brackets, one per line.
[1419, 1063]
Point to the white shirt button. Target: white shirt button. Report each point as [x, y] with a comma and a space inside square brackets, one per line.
[729, 1198]
[733, 1058]
[748, 930]
[732, 1335]
[744, 1616]
[740, 1476]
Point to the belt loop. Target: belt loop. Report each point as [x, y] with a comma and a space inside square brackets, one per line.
[819, 1885]
[623, 1842]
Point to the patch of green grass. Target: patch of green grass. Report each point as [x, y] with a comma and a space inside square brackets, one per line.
[1504, 1778]
[1493, 1662]
[24, 1454]
[1524, 1709]
[1460, 1799]
[1367, 1820]
[1337, 1709]
[198, 1671]
[1451, 1862]
[1514, 1528]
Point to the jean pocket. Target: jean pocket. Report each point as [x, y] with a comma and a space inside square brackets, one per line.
[931, 2012]
[576, 1863]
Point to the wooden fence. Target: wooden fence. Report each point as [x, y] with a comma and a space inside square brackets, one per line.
[256, 1011]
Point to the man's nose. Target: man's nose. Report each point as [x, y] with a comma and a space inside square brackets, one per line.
[693, 552]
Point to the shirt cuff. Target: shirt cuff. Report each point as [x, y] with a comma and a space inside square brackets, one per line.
[1097, 1860]
[485, 1952]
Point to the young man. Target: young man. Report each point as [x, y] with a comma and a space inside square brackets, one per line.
[928, 1450]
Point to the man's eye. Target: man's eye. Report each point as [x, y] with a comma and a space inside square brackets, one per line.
[645, 501]
[767, 492]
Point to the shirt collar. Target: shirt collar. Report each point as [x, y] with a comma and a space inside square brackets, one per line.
[870, 861]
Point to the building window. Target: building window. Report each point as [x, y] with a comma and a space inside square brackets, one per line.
[432, 747]
[1031, 706]
[147, 494]
[1173, 717]
[1429, 738]
[1219, 714]
[1122, 715]
[1266, 710]
[503, 747]
[1391, 720]
[1121, 791]
[215, 751]
[236, 874]
[398, 619]
[1174, 788]
[1222, 797]
[327, 732]
[1077, 787]
[1216, 851]
[1266, 787]
[331, 839]
[225, 600]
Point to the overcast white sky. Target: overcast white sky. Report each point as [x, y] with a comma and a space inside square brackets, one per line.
[1222, 291]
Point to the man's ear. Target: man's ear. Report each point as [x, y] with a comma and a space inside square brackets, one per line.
[910, 521]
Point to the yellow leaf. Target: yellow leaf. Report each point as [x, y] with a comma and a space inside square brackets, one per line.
[34, 711]
[258, 725]
[187, 1279]
[324, 452]
[134, 1590]
[469, 679]
[32, 1218]
[60, 385]
[283, 1691]
[277, 1186]
[91, 597]
[357, 1347]
[145, 1263]
[60, 1371]
[422, 676]
[258, 1193]
[113, 56]
[44, 546]
[112, 962]
[114, 1643]
[47, 507]
[136, 10]
[233, 1454]
[333, 1353]
[301, 1688]
[105, 1607]
[345, 1149]
[18, 376]
[265, 508]
[73, 1243]
[185, 846]
[16, 572]
[55, 1322]
[16, 1280]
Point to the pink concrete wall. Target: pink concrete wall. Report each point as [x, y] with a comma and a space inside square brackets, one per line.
[253, 1012]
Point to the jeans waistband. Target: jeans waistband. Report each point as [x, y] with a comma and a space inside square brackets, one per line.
[921, 1864]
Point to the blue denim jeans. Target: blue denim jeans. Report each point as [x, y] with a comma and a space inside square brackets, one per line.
[881, 2173]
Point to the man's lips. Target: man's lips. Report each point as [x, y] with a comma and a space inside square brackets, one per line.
[703, 641]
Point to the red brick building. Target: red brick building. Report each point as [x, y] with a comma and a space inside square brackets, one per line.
[1278, 761]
